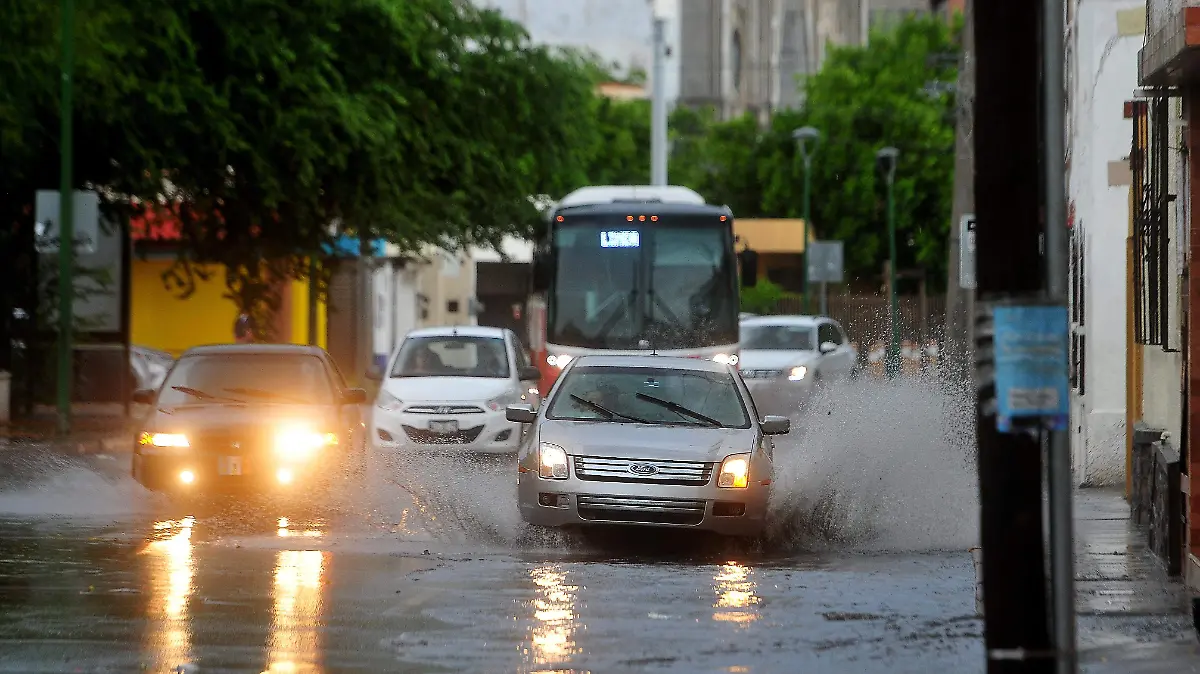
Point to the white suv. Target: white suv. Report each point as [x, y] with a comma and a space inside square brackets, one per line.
[448, 388]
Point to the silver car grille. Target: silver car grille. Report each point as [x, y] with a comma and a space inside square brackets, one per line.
[444, 409]
[640, 509]
[761, 374]
[684, 473]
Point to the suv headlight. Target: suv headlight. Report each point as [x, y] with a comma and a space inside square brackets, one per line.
[553, 461]
[389, 402]
[735, 472]
[797, 373]
[503, 401]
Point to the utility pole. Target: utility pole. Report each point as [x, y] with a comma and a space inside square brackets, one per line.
[960, 301]
[1062, 551]
[887, 158]
[66, 238]
[803, 137]
[1007, 125]
[658, 104]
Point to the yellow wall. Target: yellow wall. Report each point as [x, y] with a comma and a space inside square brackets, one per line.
[772, 235]
[160, 319]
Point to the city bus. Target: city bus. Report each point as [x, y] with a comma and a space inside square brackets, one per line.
[634, 269]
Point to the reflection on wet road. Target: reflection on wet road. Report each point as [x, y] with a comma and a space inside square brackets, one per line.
[426, 567]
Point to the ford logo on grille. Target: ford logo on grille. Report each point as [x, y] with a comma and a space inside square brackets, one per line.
[643, 468]
[442, 410]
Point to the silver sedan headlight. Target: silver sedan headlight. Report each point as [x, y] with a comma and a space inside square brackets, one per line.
[735, 472]
[552, 461]
[797, 373]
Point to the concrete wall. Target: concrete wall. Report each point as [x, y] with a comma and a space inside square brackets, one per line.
[1101, 75]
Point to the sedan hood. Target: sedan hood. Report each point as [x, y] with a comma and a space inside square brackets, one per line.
[212, 416]
[446, 389]
[774, 360]
[640, 441]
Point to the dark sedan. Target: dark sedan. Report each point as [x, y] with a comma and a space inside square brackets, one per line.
[267, 416]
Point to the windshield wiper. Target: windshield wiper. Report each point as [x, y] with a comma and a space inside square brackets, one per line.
[259, 393]
[204, 395]
[605, 411]
[680, 409]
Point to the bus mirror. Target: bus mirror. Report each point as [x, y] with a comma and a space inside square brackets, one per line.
[749, 264]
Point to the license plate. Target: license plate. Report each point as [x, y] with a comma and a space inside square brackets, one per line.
[229, 465]
[443, 426]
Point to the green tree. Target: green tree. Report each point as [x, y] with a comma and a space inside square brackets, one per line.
[864, 99]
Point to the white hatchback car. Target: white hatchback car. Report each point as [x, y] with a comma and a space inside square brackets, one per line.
[448, 387]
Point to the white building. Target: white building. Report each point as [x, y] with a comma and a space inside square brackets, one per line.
[1103, 39]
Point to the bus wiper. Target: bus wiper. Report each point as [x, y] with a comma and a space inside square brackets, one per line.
[204, 395]
[615, 317]
[680, 409]
[605, 411]
[259, 393]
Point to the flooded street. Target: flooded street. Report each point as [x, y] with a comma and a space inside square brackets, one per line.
[422, 565]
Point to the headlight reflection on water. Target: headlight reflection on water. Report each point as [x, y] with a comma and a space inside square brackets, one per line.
[294, 644]
[736, 598]
[552, 634]
[172, 568]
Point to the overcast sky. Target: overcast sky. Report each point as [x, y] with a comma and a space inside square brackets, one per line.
[619, 30]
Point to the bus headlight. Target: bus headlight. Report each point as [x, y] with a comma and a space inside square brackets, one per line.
[726, 358]
[559, 361]
[301, 443]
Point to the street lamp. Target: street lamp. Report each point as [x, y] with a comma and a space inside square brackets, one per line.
[807, 139]
[886, 158]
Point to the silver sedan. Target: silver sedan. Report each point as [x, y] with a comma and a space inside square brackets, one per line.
[649, 441]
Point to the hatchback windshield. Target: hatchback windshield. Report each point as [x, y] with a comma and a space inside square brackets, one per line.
[778, 337]
[247, 377]
[650, 395]
[452, 356]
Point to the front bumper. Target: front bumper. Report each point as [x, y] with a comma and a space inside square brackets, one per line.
[203, 472]
[729, 512]
[486, 432]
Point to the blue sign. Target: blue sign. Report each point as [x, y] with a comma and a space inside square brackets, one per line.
[348, 246]
[1031, 366]
[620, 239]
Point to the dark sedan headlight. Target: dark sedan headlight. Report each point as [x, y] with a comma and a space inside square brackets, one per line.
[298, 442]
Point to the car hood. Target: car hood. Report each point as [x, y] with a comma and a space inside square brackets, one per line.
[774, 360]
[446, 389]
[642, 441]
[184, 418]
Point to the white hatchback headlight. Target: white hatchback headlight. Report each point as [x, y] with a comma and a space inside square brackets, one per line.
[500, 402]
[389, 402]
[735, 472]
[553, 461]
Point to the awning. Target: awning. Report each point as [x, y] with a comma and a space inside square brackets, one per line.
[771, 235]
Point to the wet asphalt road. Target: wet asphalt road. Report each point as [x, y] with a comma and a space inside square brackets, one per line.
[424, 566]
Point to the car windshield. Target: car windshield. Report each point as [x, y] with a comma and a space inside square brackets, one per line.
[452, 356]
[777, 337]
[649, 395]
[247, 377]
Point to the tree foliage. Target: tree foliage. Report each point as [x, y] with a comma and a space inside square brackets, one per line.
[861, 100]
[268, 127]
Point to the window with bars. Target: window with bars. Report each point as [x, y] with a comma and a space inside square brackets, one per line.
[1148, 158]
[1078, 310]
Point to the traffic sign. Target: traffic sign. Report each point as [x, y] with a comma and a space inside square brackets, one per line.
[824, 262]
[85, 219]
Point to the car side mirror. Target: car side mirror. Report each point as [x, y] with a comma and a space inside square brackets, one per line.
[775, 425]
[828, 347]
[522, 414]
[354, 396]
[530, 373]
[143, 396]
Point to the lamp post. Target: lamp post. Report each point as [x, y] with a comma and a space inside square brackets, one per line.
[807, 139]
[886, 159]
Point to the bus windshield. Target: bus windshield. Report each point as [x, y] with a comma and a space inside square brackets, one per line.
[615, 284]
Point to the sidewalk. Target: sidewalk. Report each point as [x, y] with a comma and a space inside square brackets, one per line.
[1132, 618]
